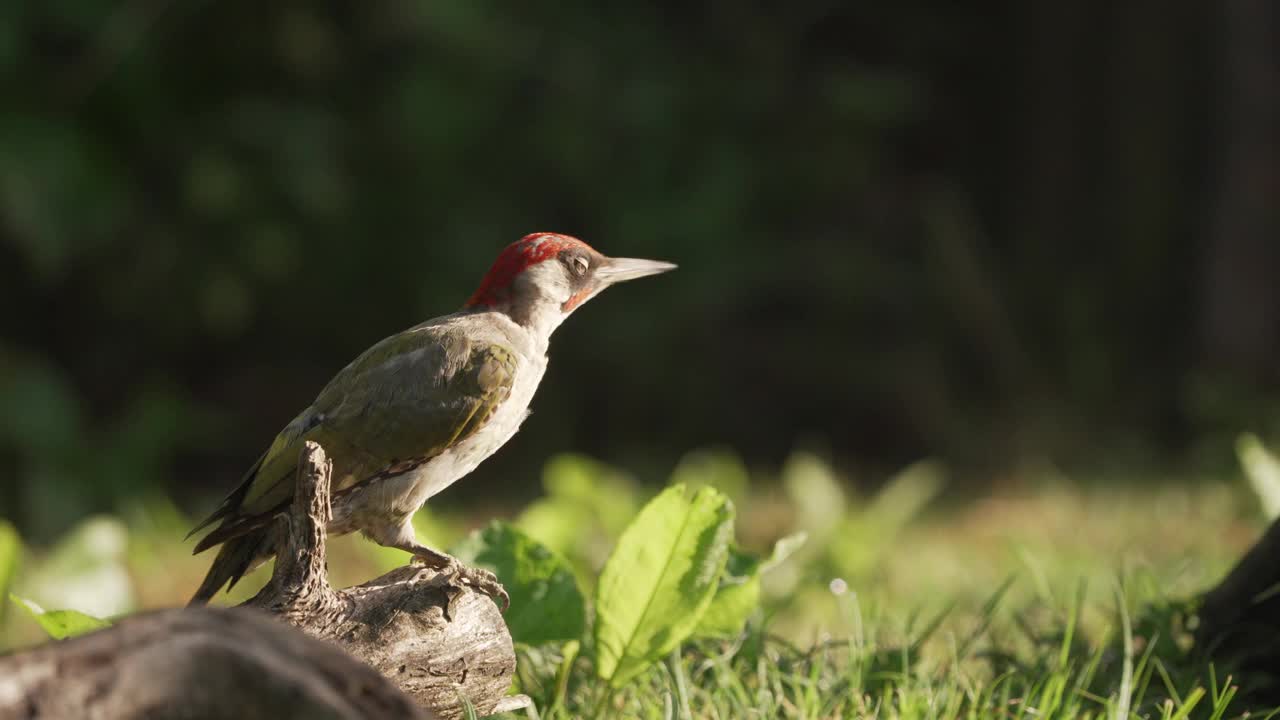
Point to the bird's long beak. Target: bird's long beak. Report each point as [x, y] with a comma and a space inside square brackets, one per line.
[612, 271]
[616, 270]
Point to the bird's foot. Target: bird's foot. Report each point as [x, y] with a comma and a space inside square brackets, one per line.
[484, 581]
[428, 558]
[460, 574]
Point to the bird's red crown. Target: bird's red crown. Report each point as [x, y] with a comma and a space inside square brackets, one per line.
[515, 259]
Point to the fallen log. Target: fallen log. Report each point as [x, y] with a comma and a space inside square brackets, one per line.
[409, 644]
[198, 663]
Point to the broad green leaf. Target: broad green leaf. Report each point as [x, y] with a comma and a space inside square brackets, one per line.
[660, 579]
[736, 598]
[546, 604]
[739, 593]
[61, 624]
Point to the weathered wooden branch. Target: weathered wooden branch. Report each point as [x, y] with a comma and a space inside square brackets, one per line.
[416, 646]
[443, 644]
[196, 663]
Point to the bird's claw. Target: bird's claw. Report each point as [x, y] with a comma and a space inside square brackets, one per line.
[458, 574]
[484, 581]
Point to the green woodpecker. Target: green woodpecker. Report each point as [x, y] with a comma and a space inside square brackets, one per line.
[419, 410]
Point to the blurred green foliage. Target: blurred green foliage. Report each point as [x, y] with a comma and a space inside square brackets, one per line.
[586, 505]
[908, 229]
[1262, 469]
[60, 624]
[897, 607]
[738, 597]
[546, 603]
[10, 553]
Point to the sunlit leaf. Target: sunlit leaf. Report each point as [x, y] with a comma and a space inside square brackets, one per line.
[815, 492]
[10, 551]
[87, 570]
[784, 549]
[738, 595]
[546, 603]
[1262, 468]
[586, 507]
[906, 495]
[60, 624]
[558, 524]
[660, 579]
[608, 493]
[736, 598]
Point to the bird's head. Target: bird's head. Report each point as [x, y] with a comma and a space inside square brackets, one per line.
[540, 279]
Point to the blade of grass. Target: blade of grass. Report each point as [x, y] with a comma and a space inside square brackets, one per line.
[986, 615]
[1073, 620]
[1126, 673]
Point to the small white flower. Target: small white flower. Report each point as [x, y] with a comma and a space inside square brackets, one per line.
[838, 586]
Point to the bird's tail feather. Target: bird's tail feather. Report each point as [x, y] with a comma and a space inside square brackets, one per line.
[236, 557]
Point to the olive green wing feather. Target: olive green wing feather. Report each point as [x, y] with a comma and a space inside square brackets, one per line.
[401, 403]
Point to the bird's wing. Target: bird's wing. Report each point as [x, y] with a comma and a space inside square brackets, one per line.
[404, 401]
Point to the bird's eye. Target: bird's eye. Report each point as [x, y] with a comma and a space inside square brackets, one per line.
[580, 265]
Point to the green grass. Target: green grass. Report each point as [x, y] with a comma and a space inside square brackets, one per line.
[1048, 602]
[1044, 599]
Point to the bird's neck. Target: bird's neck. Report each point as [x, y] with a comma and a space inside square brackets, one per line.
[536, 321]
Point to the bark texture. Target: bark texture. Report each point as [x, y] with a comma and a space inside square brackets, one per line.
[443, 644]
[198, 663]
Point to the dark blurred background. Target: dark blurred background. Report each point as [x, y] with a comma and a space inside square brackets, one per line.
[986, 232]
